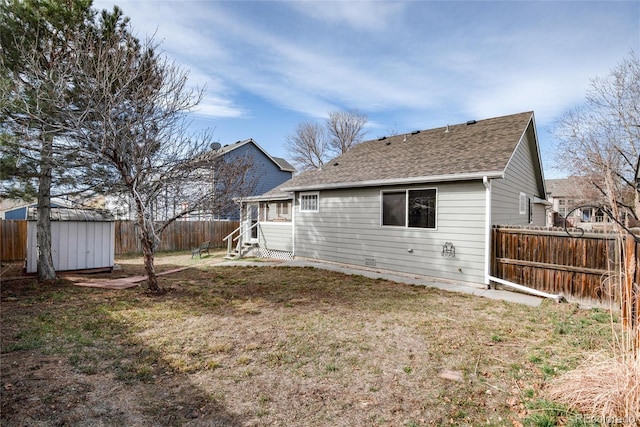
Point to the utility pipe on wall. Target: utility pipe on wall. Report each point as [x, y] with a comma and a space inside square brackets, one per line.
[558, 298]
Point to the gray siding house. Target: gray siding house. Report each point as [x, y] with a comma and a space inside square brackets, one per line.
[266, 171]
[418, 203]
[269, 170]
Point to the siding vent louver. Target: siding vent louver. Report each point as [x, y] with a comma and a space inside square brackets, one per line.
[370, 262]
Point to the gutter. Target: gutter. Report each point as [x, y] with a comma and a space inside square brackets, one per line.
[396, 181]
[539, 201]
[266, 198]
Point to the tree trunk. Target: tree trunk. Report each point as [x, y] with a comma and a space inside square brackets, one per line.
[147, 241]
[148, 254]
[46, 271]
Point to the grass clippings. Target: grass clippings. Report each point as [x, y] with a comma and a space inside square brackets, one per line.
[254, 346]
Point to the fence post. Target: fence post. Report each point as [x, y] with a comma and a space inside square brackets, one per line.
[630, 292]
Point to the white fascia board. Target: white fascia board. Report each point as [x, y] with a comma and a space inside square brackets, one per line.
[267, 198]
[539, 201]
[401, 181]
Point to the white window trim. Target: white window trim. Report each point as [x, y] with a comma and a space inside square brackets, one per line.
[406, 204]
[406, 208]
[264, 210]
[310, 193]
[522, 203]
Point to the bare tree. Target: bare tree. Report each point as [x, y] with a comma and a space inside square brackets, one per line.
[132, 118]
[308, 146]
[312, 145]
[600, 141]
[345, 129]
[91, 106]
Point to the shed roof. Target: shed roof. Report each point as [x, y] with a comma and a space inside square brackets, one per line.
[72, 214]
[453, 152]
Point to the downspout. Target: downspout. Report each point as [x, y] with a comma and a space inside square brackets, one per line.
[487, 253]
[487, 224]
[293, 226]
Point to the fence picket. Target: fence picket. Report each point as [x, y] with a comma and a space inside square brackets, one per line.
[553, 261]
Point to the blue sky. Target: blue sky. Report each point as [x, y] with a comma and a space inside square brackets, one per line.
[408, 65]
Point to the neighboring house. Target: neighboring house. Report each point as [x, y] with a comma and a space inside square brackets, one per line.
[267, 171]
[571, 199]
[418, 203]
[17, 209]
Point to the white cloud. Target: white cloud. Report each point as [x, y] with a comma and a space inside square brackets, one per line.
[357, 14]
[415, 59]
[218, 108]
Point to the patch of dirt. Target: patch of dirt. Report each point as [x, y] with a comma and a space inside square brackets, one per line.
[40, 390]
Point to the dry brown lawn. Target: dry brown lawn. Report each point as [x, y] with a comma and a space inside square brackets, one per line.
[258, 346]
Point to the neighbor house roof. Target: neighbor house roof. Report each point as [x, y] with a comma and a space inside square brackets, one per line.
[562, 187]
[453, 152]
[280, 162]
[579, 189]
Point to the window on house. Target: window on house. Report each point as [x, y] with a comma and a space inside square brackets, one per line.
[562, 210]
[422, 208]
[409, 208]
[275, 211]
[394, 208]
[309, 202]
[523, 204]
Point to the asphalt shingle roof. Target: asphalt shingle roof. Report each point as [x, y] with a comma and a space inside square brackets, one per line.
[484, 146]
[560, 187]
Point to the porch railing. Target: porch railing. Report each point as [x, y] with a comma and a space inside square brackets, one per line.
[240, 231]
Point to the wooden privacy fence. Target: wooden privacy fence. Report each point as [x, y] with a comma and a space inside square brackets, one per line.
[554, 262]
[180, 235]
[13, 240]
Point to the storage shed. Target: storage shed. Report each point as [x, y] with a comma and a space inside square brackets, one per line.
[81, 239]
